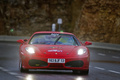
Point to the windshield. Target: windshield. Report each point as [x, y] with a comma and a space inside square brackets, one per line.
[53, 39]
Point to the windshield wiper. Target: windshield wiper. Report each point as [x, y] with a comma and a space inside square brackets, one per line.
[57, 40]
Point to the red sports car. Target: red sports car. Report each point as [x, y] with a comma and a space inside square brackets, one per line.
[54, 50]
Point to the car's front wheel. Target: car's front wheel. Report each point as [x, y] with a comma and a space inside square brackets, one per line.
[21, 68]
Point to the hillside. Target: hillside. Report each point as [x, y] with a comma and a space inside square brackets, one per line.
[92, 20]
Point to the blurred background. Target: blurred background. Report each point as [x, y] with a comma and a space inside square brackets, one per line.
[89, 20]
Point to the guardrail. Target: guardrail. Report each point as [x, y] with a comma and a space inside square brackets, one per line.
[105, 46]
[12, 38]
[94, 44]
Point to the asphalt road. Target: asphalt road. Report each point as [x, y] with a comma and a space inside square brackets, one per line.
[104, 65]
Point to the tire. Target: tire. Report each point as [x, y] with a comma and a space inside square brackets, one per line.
[22, 69]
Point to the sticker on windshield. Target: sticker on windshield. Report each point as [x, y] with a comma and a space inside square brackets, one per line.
[54, 34]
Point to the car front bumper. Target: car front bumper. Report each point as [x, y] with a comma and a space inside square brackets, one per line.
[71, 63]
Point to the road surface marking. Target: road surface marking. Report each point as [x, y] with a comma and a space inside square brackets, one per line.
[12, 73]
[115, 57]
[114, 71]
[3, 69]
[20, 77]
[99, 68]
[101, 54]
[108, 70]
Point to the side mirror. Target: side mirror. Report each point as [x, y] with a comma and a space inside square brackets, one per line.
[25, 40]
[20, 41]
[88, 43]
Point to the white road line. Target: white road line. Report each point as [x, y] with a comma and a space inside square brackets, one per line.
[101, 54]
[12, 73]
[21, 77]
[115, 57]
[108, 70]
[114, 71]
[5, 70]
[1, 68]
[99, 68]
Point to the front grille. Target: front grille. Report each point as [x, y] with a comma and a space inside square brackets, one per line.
[37, 63]
[77, 63]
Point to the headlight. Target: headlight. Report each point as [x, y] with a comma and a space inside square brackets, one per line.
[30, 50]
[81, 51]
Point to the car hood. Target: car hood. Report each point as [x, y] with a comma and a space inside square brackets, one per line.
[54, 50]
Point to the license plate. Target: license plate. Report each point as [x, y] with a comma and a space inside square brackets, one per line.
[56, 60]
